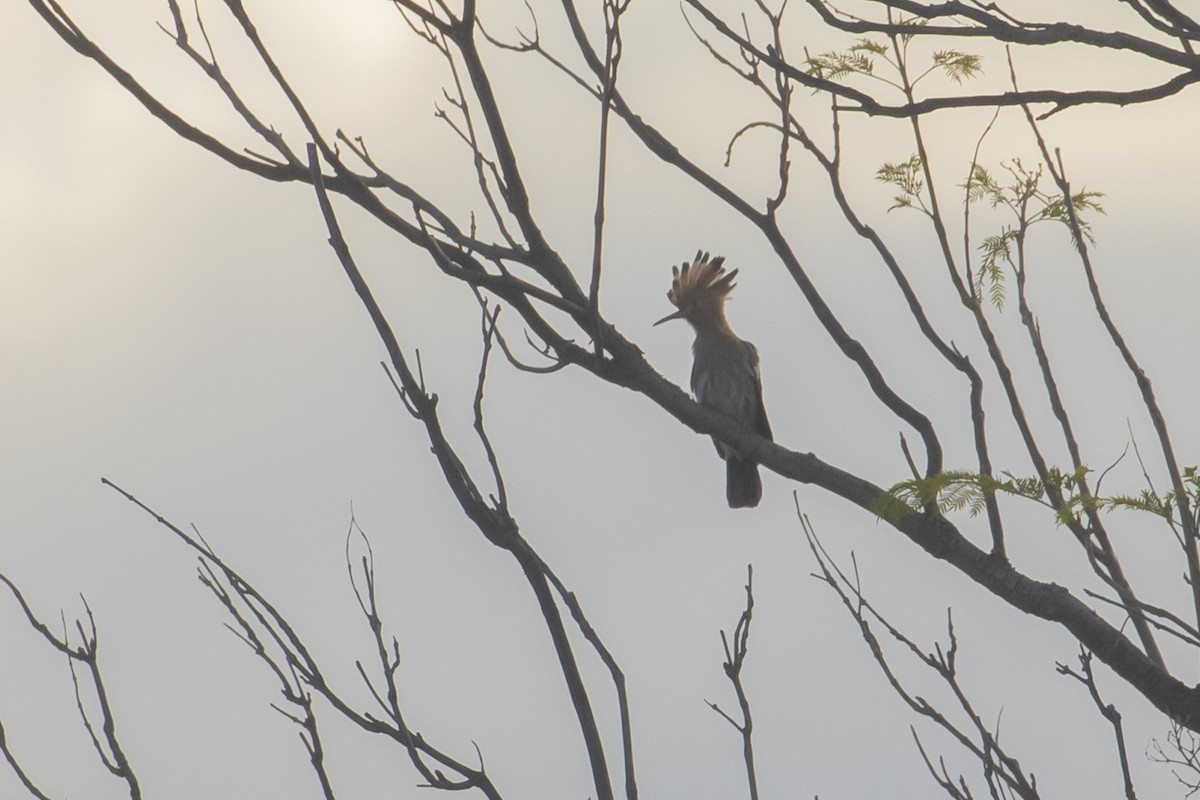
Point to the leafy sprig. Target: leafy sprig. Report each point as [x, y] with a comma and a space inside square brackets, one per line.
[963, 490]
[1029, 205]
[908, 177]
[854, 60]
[860, 59]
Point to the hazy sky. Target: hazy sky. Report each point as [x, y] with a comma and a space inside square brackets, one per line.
[184, 330]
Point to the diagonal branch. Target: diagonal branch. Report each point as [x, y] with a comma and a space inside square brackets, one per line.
[1087, 677]
[493, 521]
[1191, 531]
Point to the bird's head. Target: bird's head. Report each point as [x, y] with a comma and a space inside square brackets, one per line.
[699, 290]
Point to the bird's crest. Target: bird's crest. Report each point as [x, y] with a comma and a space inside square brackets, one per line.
[700, 278]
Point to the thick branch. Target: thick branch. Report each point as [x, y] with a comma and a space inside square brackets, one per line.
[865, 102]
[941, 539]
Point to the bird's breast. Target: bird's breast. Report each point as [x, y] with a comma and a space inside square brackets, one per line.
[724, 377]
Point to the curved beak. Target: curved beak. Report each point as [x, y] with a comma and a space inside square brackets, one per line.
[669, 317]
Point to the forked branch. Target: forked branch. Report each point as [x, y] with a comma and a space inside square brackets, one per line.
[736, 648]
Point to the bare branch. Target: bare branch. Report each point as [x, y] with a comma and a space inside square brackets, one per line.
[977, 738]
[735, 659]
[22, 776]
[1185, 756]
[1087, 677]
[492, 520]
[1191, 530]
[989, 27]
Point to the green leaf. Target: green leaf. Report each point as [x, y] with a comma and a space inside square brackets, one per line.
[907, 176]
[981, 184]
[833, 65]
[997, 251]
[958, 65]
[1082, 202]
[869, 46]
[963, 490]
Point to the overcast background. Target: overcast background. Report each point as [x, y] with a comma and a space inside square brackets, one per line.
[183, 329]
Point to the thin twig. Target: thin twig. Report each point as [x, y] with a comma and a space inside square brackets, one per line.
[1087, 677]
[735, 659]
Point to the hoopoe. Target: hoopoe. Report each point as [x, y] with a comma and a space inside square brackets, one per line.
[725, 374]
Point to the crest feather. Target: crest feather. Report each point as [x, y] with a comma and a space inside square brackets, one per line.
[701, 278]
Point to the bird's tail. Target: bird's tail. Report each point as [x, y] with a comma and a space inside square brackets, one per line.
[743, 487]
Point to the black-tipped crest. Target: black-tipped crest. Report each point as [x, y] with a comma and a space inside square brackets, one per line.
[700, 279]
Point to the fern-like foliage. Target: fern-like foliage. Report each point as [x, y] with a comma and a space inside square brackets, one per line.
[981, 184]
[963, 490]
[1164, 505]
[997, 251]
[908, 176]
[1061, 491]
[1082, 201]
[1147, 501]
[952, 490]
[860, 59]
[958, 65]
[865, 45]
[855, 60]
[1029, 205]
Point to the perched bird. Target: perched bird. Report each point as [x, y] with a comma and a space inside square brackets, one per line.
[725, 375]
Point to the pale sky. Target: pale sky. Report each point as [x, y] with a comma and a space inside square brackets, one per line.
[184, 330]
